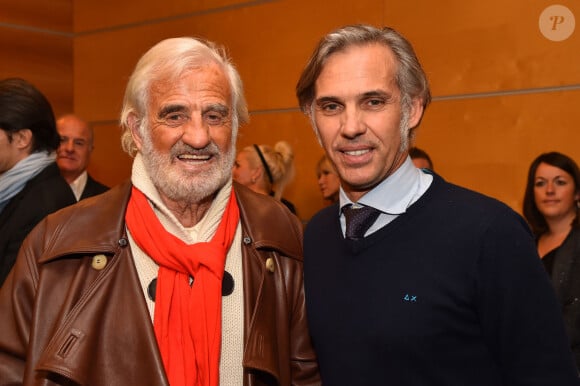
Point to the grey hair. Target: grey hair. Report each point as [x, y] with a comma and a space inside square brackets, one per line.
[410, 77]
[171, 58]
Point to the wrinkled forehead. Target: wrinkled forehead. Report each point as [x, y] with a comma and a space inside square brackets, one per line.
[208, 67]
[209, 78]
[73, 128]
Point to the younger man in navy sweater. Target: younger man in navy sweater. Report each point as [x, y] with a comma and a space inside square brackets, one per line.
[445, 286]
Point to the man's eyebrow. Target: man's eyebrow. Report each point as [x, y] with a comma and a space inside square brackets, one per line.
[377, 93]
[326, 99]
[220, 108]
[367, 94]
[170, 109]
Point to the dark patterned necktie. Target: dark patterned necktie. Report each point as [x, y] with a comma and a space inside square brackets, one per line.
[358, 220]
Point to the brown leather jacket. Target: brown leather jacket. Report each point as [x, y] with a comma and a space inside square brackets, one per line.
[65, 322]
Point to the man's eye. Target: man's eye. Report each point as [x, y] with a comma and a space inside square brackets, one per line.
[214, 118]
[175, 119]
[330, 108]
[375, 103]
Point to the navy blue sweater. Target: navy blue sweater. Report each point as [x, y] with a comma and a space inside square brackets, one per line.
[451, 293]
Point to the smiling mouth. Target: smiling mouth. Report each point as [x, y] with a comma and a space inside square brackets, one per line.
[194, 157]
[356, 152]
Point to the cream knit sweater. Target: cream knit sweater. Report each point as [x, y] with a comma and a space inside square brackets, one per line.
[231, 370]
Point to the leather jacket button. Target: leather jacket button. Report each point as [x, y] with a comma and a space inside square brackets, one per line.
[270, 265]
[123, 242]
[99, 262]
[247, 240]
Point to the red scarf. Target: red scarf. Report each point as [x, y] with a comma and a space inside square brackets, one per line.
[187, 319]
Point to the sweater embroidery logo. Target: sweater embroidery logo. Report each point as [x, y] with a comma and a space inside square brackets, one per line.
[410, 298]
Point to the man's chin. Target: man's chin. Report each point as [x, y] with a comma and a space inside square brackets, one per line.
[67, 166]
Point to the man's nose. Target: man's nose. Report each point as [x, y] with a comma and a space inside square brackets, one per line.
[196, 134]
[352, 123]
[68, 145]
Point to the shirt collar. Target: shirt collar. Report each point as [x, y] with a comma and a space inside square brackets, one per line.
[78, 185]
[394, 194]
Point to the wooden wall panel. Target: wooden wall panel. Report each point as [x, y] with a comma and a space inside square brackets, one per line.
[478, 47]
[44, 60]
[487, 144]
[50, 15]
[109, 163]
[36, 46]
[98, 14]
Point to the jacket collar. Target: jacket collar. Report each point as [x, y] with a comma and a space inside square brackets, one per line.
[96, 225]
[93, 225]
[269, 229]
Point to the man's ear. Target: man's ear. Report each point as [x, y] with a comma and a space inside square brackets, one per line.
[23, 139]
[134, 124]
[416, 112]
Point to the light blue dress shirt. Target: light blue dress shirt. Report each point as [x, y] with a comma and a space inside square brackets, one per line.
[392, 196]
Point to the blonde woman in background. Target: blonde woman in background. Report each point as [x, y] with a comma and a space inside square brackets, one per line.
[266, 169]
[328, 180]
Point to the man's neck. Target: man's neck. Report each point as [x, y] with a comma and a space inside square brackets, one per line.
[187, 213]
[70, 177]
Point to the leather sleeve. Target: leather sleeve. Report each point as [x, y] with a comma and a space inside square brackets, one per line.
[303, 359]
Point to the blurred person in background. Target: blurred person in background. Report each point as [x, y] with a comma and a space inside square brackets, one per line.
[551, 204]
[73, 156]
[420, 158]
[266, 169]
[328, 180]
[30, 183]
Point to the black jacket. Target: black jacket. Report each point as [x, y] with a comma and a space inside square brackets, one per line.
[46, 193]
[563, 265]
[93, 187]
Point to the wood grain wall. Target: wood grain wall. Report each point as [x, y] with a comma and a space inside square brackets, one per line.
[36, 44]
[503, 93]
